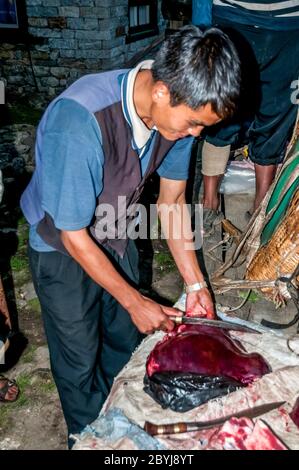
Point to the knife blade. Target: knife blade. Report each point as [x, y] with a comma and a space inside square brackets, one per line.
[180, 427]
[226, 325]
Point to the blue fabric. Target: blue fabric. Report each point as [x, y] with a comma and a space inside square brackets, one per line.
[202, 12]
[262, 18]
[72, 169]
[114, 425]
[175, 165]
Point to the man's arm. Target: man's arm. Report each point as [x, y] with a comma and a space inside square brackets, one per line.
[147, 315]
[176, 225]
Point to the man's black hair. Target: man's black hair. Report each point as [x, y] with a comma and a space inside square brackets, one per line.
[200, 68]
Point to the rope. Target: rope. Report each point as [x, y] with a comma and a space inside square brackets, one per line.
[234, 309]
[294, 296]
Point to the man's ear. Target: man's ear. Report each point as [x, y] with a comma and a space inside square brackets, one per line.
[160, 93]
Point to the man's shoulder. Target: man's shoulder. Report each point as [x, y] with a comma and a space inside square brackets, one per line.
[96, 91]
[65, 114]
[89, 94]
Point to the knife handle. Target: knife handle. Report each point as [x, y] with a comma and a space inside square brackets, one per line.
[160, 429]
[176, 320]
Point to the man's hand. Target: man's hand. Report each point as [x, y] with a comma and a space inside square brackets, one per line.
[200, 304]
[149, 316]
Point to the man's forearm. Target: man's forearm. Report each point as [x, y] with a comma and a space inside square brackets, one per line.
[146, 314]
[96, 264]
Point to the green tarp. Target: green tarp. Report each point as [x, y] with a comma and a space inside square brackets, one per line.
[279, 213]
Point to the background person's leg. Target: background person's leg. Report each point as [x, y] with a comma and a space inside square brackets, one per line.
[264, 175]
[214, 162]
[277, 53]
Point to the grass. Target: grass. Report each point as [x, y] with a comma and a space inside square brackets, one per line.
[19, 263]
[253, 297]
[22, 277]
[47, 387]
[28, 392]
[23, 382]
[23, 236]
[165, 261]
[29, 354]
[22, 221]
[34, 306]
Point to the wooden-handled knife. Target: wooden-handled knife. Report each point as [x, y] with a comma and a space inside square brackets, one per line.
[180, 427]
[214, 323]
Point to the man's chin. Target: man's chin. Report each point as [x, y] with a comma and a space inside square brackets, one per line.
[170, 137]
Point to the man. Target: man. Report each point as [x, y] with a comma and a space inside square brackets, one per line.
[97, 141]
[266, 34]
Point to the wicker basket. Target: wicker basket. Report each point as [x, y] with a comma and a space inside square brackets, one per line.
[280, 256]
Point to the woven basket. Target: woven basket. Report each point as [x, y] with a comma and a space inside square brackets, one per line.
[280, 256]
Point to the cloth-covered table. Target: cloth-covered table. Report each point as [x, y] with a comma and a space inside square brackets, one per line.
[128, 406]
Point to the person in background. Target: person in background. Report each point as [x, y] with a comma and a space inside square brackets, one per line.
[9, 390]
[266, 34]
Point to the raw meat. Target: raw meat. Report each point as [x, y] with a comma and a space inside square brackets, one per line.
[244, 434]
[205, 350]
[295, 413]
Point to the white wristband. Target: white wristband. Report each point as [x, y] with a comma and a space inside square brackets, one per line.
[195, 287]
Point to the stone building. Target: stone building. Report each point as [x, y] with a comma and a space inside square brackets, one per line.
[51, 43]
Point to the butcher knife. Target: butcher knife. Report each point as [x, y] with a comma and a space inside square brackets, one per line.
[226, 325]
[180, 427]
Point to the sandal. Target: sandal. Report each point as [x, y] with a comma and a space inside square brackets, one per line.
[211, 218]
[6, 393]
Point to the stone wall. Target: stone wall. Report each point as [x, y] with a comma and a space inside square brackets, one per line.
[69, 38]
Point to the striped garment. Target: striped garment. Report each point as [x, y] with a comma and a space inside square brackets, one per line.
[270, 14]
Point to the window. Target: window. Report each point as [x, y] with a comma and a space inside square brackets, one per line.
[12, 18]
[143, 19]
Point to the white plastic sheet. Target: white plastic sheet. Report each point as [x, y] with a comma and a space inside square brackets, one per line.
[239, 178]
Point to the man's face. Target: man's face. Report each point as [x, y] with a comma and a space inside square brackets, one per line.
[177, 122]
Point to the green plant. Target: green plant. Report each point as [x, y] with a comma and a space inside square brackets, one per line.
[165, 261]
[34, 305]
